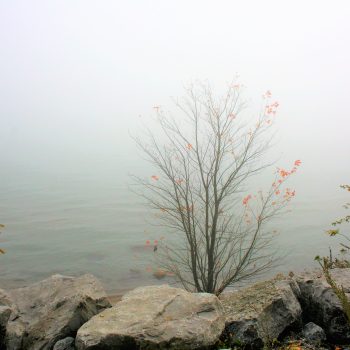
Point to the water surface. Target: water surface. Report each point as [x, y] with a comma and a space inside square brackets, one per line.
[84, 218]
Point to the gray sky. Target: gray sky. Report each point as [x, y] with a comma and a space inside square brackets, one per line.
[76, 75]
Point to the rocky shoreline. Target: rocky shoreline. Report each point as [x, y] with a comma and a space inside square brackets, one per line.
[67, 313]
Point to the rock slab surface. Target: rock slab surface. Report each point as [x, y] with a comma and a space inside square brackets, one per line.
[155, 317]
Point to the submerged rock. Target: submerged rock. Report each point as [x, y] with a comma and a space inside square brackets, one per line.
[52, 309]
[261, 313]
[155, 317]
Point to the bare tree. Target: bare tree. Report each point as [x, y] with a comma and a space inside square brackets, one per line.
[2, 251]
[203, 165]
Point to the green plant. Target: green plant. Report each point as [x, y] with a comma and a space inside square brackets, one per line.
[328, 263]
[346, 219]
[326, 266]
[339, 261]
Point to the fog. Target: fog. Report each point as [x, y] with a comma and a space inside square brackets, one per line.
[78, 77]
[75, 76]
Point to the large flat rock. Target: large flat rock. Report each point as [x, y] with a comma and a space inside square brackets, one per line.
[52, 309]
[155, 317]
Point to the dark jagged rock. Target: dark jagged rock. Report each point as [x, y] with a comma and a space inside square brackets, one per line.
[261, 313]
[321, 306]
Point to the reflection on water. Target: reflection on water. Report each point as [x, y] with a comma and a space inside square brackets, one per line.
[73, 222]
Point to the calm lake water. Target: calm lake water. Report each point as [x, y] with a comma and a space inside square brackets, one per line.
[80, 219]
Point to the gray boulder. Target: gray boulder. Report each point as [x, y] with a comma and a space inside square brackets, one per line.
[65, 344]
[314, 333]
[321, 306]
[261, 313]
[155, 317]
[5, 313]
[52, 309]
